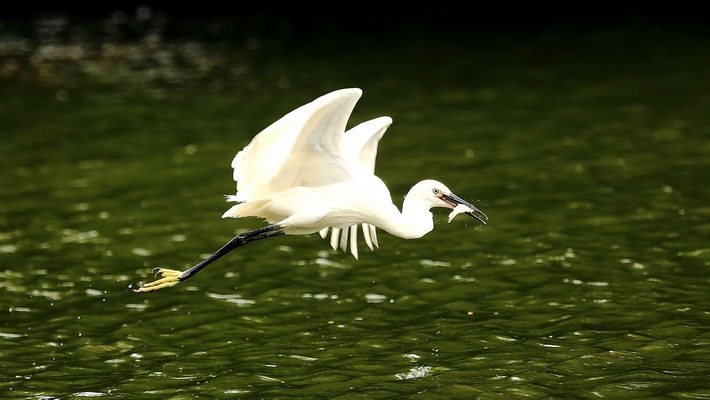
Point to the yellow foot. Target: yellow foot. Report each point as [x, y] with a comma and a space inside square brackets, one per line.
[168, 278]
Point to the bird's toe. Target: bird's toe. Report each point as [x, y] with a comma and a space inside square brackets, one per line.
[167, 278]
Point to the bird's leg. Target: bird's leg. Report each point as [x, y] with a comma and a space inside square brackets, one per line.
[169, 277]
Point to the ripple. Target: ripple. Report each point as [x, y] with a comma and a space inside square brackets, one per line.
[8, 248]
[303, 358]
[72, 236]
[6, 335]
[236, 391]
[88, 394]
[139, 251]
[415, 373]
[320, 296]
[434, 263]
[232, 298]
[94, 292]
[375, 298]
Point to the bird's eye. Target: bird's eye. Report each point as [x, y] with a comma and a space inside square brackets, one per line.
[436, 191]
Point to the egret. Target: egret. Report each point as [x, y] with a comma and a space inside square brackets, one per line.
[305, 174]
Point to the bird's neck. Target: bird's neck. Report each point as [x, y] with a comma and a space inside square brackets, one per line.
[413, 222]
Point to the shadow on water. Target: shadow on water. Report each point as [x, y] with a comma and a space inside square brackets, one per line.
[587, 148]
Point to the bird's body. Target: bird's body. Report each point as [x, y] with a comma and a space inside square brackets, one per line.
[303, 210]
[305, 173]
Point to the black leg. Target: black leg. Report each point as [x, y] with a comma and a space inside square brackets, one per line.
[169, 277]
[237, 241]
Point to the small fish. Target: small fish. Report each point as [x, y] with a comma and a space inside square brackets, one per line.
[459, 209]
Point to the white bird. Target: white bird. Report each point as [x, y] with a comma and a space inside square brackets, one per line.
[304, 174]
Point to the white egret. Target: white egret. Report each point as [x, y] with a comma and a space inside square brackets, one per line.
[305, 174]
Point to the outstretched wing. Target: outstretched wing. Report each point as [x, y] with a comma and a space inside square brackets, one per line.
[300, 149]
[361, 141]
[360, 148]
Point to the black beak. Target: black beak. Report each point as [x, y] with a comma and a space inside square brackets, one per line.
[455, 200]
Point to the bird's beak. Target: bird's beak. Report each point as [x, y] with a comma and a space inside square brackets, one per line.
[473, 211]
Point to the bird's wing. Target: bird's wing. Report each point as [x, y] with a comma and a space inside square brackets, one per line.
[303, 148]
[361, 141]
[360, 147]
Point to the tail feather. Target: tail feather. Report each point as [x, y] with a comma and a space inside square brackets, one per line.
[247, 209]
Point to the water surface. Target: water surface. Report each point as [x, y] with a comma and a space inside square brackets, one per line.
[589, 153]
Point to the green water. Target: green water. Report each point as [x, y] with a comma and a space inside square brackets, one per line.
[590, 154]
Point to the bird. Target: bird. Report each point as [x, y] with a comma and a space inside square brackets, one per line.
[306, 174]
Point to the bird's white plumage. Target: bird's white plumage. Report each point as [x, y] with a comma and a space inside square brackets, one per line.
[307, 174]
[361, 142]
[308, 147]
[360, 148]
[303, 148]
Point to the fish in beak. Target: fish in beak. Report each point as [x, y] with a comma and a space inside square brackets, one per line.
[461, 206]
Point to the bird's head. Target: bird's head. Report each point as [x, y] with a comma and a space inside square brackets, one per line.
[438, 195]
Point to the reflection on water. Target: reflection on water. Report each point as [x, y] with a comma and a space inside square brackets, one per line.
[587, 153]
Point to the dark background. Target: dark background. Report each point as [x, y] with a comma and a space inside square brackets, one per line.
[378, 18]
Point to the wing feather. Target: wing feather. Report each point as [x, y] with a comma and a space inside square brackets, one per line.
[361, 142]
[360, 148]
[301, 148]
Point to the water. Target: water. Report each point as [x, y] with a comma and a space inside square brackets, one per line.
[588, 152]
